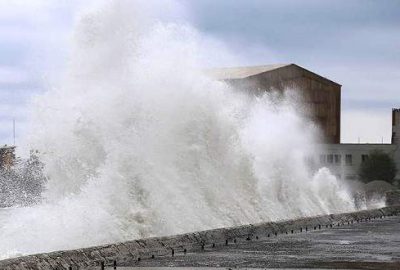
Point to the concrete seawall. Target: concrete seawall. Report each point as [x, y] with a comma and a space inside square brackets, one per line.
[145, 249]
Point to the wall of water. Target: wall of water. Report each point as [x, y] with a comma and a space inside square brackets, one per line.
[138, 142]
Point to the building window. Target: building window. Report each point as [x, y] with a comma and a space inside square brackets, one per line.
[349, 160]
[351, 177]
[329, 159]
[338, 159]
[364, 158]
[322, 159]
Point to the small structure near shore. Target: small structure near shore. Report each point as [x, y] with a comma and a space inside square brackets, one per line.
[7, 157]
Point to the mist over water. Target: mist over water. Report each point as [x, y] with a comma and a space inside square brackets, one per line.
[138, 142]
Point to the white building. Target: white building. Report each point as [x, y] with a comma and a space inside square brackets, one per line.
[344, 160]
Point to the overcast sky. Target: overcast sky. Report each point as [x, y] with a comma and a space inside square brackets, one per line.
[355, 43]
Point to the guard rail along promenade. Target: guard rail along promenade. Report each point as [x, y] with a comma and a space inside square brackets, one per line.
[134, 252]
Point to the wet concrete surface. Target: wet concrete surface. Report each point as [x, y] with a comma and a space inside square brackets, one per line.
[373, 244]
[208, 268]
[367, 239]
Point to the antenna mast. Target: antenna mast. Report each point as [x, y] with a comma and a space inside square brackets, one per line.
[14, 130]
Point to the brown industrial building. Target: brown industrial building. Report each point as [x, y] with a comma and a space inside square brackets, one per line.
[319, 95]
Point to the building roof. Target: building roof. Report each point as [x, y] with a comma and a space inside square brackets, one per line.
[231, 73]
[241, 72]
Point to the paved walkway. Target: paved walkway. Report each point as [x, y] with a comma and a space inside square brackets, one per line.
[368, 245]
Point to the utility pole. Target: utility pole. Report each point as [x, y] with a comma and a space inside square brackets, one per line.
[14, 130]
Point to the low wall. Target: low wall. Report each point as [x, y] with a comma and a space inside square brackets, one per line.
[132, 251]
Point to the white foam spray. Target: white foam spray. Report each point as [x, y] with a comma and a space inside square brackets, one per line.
[138, 142]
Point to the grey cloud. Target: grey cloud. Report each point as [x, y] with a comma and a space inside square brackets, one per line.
[322, 28]
[12, 54]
